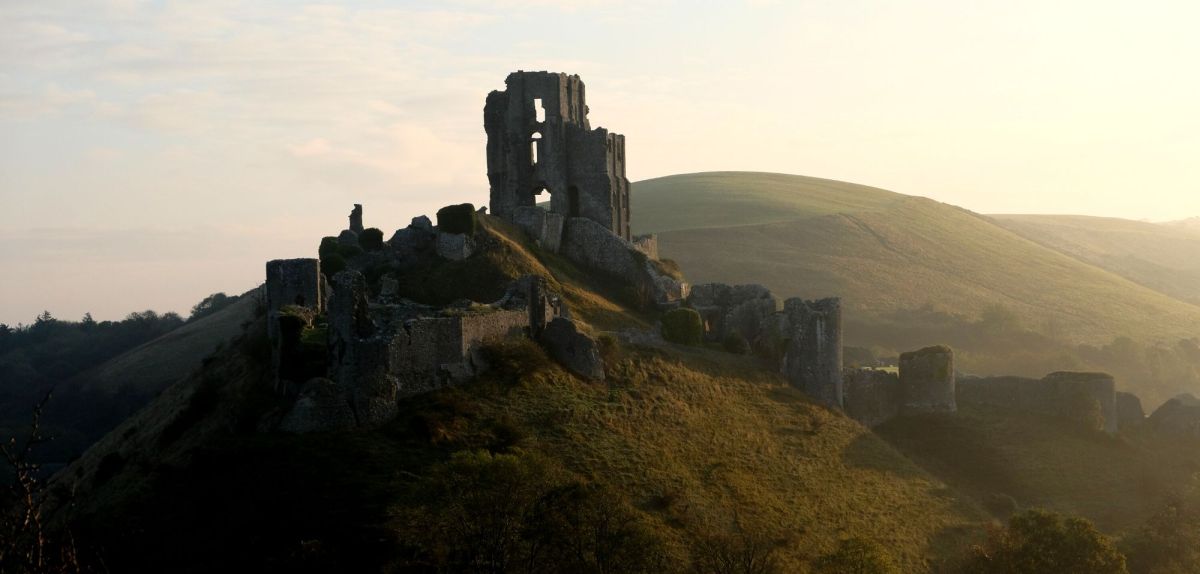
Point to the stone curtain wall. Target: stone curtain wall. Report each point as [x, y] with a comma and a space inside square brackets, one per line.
[1057, 395]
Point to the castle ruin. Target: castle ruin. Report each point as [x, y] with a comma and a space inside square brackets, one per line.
[346, 346]
[539, 140]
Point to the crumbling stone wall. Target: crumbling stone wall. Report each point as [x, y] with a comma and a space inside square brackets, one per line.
[1057, 395]
[871, 396]
[292, 282]
[433, 352]
[812, 360]
[747, 310]
[1098, 386]
[545, 227]
[647, 244]
[927, 381]
[539, 139]
[591, 245]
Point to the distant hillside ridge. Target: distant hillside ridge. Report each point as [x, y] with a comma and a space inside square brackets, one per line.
[1163, 257]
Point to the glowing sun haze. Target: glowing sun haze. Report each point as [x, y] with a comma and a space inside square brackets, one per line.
[155, 152]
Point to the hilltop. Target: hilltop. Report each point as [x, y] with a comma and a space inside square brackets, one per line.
[705, 446]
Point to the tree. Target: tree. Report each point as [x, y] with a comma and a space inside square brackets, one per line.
[210, 305]
[1042, 542]
[856, 556]
[371, 239]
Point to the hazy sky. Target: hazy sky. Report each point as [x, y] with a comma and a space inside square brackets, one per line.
[152, 153]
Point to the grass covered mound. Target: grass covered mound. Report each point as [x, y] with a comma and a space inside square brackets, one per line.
[692, 455]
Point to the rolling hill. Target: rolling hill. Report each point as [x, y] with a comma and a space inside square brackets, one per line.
[1163, 257]
[912, 271]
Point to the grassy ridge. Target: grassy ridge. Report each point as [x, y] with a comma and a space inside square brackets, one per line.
[1163, 257]
[883, 252]
[734, 198]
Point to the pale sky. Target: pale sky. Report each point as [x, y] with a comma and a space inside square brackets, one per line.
[153, 152]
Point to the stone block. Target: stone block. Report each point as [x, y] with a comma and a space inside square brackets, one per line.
[454, 246]
[576, 351]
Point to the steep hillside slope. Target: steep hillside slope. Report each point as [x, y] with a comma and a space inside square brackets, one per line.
[93, 402]
[1163, 257]
[890, 252]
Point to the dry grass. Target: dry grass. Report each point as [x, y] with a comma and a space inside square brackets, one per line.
[705, 441]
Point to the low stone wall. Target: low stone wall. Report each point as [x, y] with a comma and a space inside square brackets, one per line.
[870, 396]
[1058, 395]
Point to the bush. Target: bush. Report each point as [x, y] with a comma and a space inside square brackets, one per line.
[735, 343]
[459, 218]
[371, 239]
[1039, 541]
[856, 556]
[329, 246]
[683, 326]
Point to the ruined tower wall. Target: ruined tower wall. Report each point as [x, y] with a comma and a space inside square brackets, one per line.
[292, 282]
[583, 169]
[812, 361]
[927, 381]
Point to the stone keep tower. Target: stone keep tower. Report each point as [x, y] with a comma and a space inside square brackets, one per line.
[812, 360]
[539, 140]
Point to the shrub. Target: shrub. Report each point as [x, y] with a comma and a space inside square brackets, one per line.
[856, 556]
[683, 326]
[735, 343]
[371, 239]
[459, 218]
[329, 246]
[1042, 541]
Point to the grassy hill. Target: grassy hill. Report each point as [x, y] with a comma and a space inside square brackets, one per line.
[1163, 257]
[883, 252]
[703, 445]
[912, 272]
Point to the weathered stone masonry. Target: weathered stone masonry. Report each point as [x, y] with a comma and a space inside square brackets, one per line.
[539, 139]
